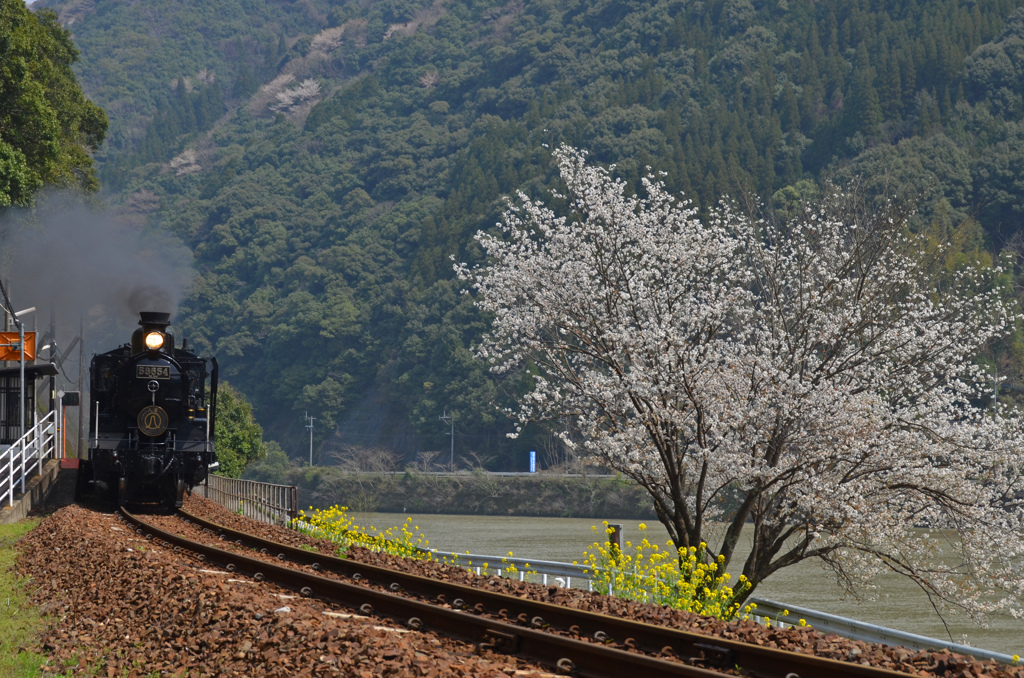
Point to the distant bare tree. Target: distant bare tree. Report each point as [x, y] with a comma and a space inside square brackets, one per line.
[427, 462]
[476, 460]
[555, 454]
[355, 459]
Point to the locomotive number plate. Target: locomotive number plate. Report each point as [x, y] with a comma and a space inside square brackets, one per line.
[153, 371]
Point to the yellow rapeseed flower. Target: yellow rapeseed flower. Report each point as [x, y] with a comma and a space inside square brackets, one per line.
[642, 573]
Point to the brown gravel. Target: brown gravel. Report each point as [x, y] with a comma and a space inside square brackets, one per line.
[126, 607]
[806, 640]
[121, 606]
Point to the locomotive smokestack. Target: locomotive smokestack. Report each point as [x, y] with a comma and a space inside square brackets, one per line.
[154, 319]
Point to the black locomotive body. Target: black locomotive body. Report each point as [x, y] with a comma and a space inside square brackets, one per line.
[152, 419]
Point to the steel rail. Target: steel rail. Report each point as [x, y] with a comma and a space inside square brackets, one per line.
[655, 640]
[567, 655]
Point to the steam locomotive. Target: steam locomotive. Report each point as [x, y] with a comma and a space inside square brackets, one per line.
[152, 419]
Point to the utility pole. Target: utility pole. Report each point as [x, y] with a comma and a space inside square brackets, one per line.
[309, 427]
[53, 352]
[82, 446]
[450, 418]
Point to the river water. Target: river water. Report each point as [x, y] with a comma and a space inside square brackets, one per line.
[898, 603]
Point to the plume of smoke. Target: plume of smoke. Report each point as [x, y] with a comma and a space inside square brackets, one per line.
[76, 258]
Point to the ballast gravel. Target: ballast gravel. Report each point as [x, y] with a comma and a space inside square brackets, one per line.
[120, 605]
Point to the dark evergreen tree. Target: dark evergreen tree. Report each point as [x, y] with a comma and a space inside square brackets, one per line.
[865, 112]
[245, 81]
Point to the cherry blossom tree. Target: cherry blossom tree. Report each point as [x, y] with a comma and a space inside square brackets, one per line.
[798, 380]
[303, 93]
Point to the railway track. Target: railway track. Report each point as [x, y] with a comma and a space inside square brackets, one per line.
[572, 642]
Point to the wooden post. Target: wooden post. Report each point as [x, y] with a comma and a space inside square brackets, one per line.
[615, 538]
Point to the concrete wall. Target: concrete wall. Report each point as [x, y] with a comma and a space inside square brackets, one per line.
[36, 491]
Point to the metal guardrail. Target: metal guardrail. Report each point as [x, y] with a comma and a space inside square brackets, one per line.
[474, 561]
[524, 566]
[467, 473]
[770, 610]
[767, 611]
[26, 457]
[265, 502]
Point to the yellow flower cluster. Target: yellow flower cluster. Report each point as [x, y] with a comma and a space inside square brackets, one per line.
[683, 579]
[686, 579]
[336, 525]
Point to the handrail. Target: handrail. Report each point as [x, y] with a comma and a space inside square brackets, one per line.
[26, 456]
[265, 502]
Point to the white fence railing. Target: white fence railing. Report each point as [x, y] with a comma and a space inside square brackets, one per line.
[26, 457]
[265, 502]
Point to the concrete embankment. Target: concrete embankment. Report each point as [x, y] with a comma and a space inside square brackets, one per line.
[477, 493]
[54, 485]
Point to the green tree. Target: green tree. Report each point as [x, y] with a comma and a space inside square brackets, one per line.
[47, 126]
[272, 468]
[238, 437]
[865, 110]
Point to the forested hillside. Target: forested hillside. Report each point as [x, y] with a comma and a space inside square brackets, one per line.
[325, 160]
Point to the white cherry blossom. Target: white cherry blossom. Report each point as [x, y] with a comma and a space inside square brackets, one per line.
[800, 382]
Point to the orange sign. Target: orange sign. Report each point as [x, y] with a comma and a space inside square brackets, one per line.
[10, 352]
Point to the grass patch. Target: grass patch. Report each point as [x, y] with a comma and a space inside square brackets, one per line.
[19, 621]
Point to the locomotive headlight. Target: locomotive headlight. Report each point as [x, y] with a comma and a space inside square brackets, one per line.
[154, 341]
